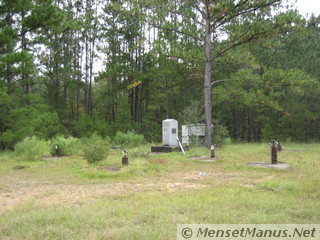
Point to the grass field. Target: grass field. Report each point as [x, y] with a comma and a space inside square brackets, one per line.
[65, 198]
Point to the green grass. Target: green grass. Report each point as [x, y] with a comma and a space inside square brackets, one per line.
[69, 199]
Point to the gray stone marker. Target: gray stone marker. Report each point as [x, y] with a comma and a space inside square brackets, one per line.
[169, 132]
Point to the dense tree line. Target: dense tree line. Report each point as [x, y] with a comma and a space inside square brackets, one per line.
[248, 67]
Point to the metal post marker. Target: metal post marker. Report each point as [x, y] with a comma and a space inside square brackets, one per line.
[274, 153]
[180, 145]
[125, 159]
[212, 151]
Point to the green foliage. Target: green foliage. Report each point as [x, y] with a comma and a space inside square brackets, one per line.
[95, 148]
[128, 139]
[228, 140]
[151, 130]
[220, 133]
[95, 138]
[67, 146]
[84, 127]
[95, 153]
[4, 98]
[193, 113]
[272, 93]
[269, 133]
[35, 119]
[102, 128]
[32, 148]
[9, 139]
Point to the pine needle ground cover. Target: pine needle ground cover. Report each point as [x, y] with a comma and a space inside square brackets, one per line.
[67, 198]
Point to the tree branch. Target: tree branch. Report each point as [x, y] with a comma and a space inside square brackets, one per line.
[174, 30]
[199, 10]
[254, 8]
[236, 42]
[29, 30]
[224, 80]
[183, 15]
[234, 8]
[195, 75]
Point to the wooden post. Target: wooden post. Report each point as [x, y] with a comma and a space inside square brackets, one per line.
[125, 159]
[274, 159]
[58, 151]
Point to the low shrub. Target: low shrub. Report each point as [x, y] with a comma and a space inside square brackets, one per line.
[95, 148]
[32, 148]
[128, 139]
[228, 140]
[9, 138]
[67, 146]
[93, 139]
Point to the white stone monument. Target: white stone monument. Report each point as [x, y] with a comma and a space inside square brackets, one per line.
[169, 132]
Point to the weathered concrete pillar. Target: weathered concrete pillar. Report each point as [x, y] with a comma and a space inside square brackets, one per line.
[212, 151]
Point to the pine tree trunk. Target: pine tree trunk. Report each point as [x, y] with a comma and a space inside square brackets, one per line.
[9, 73]
[207, 85]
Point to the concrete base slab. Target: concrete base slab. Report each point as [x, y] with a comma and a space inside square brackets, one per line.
[290, 150]
[279, 165]
[205, 158]
[165, 149]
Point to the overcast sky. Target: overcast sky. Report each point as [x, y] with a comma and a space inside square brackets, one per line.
[307, 7]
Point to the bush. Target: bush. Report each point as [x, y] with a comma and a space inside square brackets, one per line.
[102, 128]
[32, 120]
[228, 140]
[68, 146]
[128, 139]
[32, 148]
[151, 130]
[220, 133]
[84, 127]
[95, 148]
[93, 139]
[9, 138]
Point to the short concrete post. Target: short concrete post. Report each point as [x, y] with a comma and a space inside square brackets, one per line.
[125, 159]
[274, 159]
[212, 151]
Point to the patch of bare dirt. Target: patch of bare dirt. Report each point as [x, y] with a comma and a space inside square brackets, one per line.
[52, 158]
[14, 193]
[72, 194]
[110, 169]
